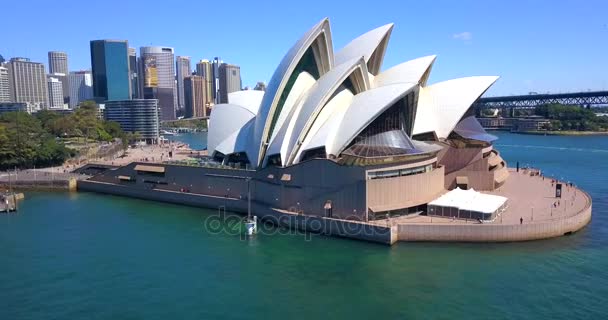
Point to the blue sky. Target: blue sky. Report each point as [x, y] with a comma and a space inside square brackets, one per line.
[543, 46]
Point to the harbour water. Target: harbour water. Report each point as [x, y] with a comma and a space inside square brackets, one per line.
[196, 140]
[82, 255]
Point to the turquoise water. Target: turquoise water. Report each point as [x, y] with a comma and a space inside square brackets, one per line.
[196, 140]
[75, 256]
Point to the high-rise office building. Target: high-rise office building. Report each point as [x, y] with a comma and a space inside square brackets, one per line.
[63, 78]
[195, 93]
[55, 90]
[81, 87]
[5, 93]
[159, 78]
[216, 79]
[182, 70]
[110, 70]
[137, 115]
[27, 82]
[205, 70]
[58, 68]
[58, 62]
[230, 80]
[133, 71]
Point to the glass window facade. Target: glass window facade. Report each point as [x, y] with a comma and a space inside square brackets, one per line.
[399, 172]
[110, 68]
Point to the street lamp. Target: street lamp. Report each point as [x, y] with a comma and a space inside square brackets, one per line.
[532, 214]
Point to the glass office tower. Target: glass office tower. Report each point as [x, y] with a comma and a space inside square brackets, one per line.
[110, 68]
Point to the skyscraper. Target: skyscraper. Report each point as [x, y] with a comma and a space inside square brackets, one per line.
[205, 70]
[182, 70]
[159, 78]
[195, 93]
[58, 62]
[81, 87]
[137, 115]
[230, 80]
[55, 91]
[27, 82]
[5, 93]
[58, 68]
[133, 70]
[110, 66]
[216, 79]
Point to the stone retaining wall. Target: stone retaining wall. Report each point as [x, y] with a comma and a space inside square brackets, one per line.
[69, 184]
[333, 227]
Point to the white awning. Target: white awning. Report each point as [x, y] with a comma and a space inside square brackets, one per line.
[470, 200]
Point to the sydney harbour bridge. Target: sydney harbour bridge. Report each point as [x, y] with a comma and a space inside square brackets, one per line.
[583, 99]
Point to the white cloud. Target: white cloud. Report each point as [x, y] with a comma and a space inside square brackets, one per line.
[463, 36]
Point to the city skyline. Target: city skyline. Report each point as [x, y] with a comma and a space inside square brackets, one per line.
[121, 75]
[528, 54]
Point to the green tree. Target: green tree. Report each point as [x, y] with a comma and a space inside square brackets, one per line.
[47, 118]
[89, 105]
[136, 136]
[7, 151]
[113, 129]
[124, 140]
[62, 127]
[86, 120]
[24, 133]
[24, 143]
[103, 135]
[571, 118]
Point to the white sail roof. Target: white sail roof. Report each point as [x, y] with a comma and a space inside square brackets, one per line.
[413, 71]
[371, 46]
[319, 134]
[236, 141]
[250, 99]
[318, 38]
[225, 119]
[443, 104]
[300, 88]
[318, 96]
[364, 108]
[316, 100]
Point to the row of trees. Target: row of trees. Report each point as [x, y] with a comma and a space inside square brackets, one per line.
[24, 143]
[28, 141]
[83, 123]
[565, 117]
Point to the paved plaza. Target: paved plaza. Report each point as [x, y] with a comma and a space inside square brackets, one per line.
[531, 198]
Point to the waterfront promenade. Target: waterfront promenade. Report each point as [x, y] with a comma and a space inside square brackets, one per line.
[151, 154]
[59, 177]
[533, 212]
[47, 178]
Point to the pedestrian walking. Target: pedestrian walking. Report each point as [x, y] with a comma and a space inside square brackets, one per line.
[521, 220]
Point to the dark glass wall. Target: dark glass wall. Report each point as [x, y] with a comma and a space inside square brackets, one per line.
[110, 68]
[133, 76]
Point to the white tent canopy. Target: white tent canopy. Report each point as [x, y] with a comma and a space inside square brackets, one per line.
[470, 200]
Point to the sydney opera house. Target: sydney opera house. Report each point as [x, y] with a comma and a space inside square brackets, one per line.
[339, 135]
[341, 145]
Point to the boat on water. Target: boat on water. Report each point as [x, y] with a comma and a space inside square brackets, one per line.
[168, 133]
[8, 201]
